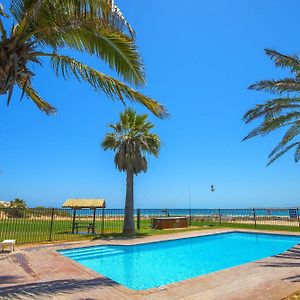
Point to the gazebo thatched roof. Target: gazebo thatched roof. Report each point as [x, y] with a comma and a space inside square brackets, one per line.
[77, 203]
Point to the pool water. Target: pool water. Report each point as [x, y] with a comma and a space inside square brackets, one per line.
[156, 264]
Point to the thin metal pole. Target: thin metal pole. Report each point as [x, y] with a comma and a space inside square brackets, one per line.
[220, 216]
[189, 195]
[190, 211]
[51, 224]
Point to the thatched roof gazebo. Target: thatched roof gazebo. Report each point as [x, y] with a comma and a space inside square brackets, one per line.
[79, 203]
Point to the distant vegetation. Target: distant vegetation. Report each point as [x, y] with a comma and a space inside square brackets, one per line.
[18, 208]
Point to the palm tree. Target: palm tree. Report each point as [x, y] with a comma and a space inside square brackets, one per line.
[281, 112]
[131, 140]
[43, 28]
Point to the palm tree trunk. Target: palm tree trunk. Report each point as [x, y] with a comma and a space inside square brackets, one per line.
[128, 228]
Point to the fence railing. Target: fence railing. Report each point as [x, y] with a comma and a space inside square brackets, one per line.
[53, 224]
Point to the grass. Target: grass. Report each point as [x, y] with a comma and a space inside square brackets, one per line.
[26, 230]
[258, 226]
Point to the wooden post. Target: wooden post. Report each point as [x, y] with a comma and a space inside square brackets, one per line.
[138, 221]
[51, 224]
[220, 216]
[73, 222]
[102, 224]
[94, 221]
[254, 215]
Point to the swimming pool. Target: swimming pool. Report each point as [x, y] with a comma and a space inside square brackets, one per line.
[150, 265]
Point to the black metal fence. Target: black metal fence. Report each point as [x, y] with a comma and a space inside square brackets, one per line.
[54, 224]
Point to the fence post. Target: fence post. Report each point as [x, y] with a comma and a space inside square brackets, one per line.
[190, 220]
[73, 221]
[51, 224]
[220, 216]
[138, 221]
[94, 221]
[298, 217]
[102, 224]
[254, 215]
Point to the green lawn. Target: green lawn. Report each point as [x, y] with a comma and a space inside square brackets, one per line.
[26, 230]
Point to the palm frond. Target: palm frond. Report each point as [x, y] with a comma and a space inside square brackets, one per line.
[40, 10]
[119, 19]
[113, 88]
[270, 125]
[284, 61]
[110, 142]
[271, 108]
[2, 13]
[112, 46]
[85, 26]
[38, 101]
[277, 86]
[104, 9]
[279, 154]
[297, 153]
[290, 134]
[21, 8]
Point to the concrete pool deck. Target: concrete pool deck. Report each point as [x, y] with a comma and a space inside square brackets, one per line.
[39, 272]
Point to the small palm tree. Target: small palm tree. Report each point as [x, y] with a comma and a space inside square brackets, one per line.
[283, 111]
[43, 28]
[131, 140]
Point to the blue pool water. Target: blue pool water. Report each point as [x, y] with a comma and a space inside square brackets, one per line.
[152, 265]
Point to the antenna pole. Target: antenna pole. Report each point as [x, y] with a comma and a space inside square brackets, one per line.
[189, 194]
[190, 212]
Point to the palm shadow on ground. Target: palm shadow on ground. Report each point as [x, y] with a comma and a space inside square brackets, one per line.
[52, 288]
[8, 279]
[292, 257]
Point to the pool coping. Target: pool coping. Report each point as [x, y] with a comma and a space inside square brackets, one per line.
[183, 238]
[127, 290]
[208, 284]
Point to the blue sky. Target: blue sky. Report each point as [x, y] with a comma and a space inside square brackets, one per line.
[200, 57]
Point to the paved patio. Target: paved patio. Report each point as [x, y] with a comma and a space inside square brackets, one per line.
[39, 272]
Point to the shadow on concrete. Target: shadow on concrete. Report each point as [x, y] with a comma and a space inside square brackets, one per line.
[293, 253]
[6, 279]
[52, 288]
[287, 259]
[295, 278]
[5, 252]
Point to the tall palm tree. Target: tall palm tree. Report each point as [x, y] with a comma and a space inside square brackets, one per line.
[43, 28]
[131, 140]
[281, 112]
